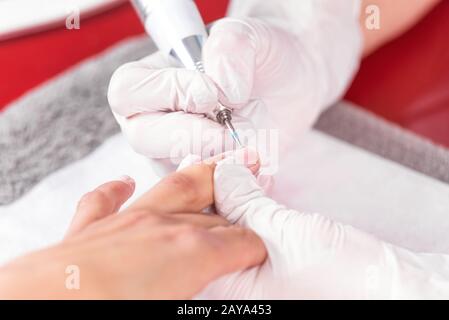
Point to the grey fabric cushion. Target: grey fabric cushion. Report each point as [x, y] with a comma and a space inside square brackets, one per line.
[61, 121]
[68, 117]
[370, 132]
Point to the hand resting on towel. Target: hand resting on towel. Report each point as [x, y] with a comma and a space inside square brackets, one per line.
[165, 246]
[160, 247]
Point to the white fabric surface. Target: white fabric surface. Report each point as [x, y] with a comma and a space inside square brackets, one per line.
[321, 175]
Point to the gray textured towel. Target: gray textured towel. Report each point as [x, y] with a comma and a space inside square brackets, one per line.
[370, 132]
[68, 117]
[61, 121]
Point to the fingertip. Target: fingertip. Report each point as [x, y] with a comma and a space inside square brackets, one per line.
[130, 182]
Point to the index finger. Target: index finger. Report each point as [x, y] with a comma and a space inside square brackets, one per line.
[152, 85]
[188, 190]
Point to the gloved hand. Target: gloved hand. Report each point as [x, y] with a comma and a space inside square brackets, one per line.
[277, 72]
[310, 256]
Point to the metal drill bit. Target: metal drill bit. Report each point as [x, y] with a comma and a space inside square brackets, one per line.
[186, 49]
[234, 134]
[224, 117]
[222, 113]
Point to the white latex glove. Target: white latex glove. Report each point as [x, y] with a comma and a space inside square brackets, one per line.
[276, 71]
[312, 257]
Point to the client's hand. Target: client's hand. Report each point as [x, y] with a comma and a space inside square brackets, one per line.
[162, 246]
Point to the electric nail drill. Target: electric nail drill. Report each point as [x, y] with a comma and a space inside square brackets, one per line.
[178, 30]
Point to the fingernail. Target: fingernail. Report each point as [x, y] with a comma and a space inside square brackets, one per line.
[128, 180]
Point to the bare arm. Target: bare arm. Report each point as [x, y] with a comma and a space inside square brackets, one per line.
[396, 17]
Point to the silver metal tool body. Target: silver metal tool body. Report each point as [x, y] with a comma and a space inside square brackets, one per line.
[178, 30]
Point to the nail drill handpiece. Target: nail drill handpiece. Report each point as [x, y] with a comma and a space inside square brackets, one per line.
[178, 30]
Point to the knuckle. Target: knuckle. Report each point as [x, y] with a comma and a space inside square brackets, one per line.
[133, 132]
[180, 180]
[96, 197]
[185, 184]
[137, 215]
[228, 34]
[152, 219]
[85, 198]
[191, 236]
[132, 218]
[101, 197]
[138, 127]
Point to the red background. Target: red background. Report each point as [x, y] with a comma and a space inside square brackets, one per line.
[407, 81]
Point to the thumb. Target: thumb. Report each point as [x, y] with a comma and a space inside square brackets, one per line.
[230, 58]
